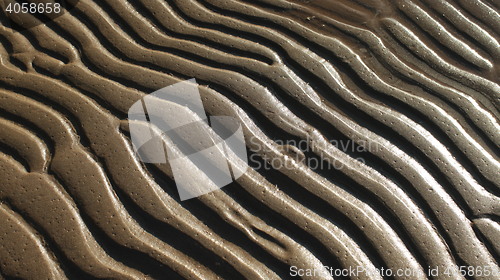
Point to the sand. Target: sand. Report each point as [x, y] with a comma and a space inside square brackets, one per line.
[382, 115]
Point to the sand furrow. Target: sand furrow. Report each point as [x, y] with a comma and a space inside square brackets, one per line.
[395, 101]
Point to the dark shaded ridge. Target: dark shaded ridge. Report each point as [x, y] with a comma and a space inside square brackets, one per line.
[394, 103]
[172, 236]
[92, 228]
[487, 141]
[357, 115]
[428, 124]
[117, 53]
[272, 6]
[109, 46]
[337, 177]
[315, 204]
[10, 151]
[71, 270]
[10, 50]
[159, 69]
[33, 129]
[76, 124]
[129, 257]
[296, 104]
[360, 116]
[34, 42]
[105, 105]
[146, 65]
[487, 243]
[475, 18]
[220, 226]
[493, 147]
[136, 259]
[450, 56]
[370, 198]
[152, 17]
[182, 54]
[220, 66]
[36, 45]
[189, 245]
[494, 218]
[241, 103]
[6, 277]
[484, 138]
[367, 5]
[87, 62]
[466, 80]
[271, 217]
[84, 18]
[464, 36]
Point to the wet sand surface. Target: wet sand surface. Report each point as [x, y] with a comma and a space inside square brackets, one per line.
[399, 100]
